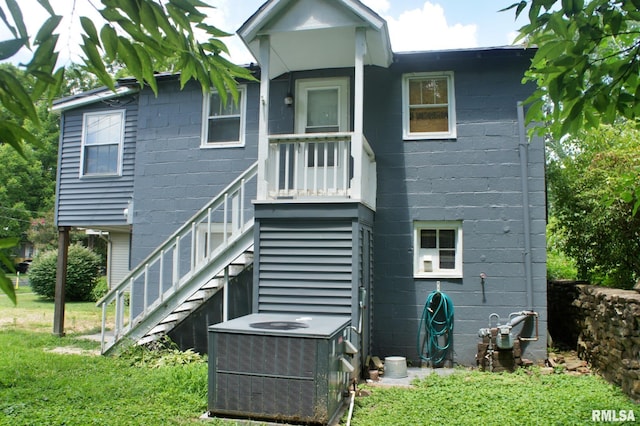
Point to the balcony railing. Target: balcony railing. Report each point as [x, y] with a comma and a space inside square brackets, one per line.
[320, 166]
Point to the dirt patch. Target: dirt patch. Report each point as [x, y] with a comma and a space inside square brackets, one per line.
[70, 350]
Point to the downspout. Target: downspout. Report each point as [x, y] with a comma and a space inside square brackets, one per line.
[524, 174]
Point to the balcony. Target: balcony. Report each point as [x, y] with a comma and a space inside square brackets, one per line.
[320, 167]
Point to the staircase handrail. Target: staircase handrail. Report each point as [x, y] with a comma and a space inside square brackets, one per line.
[248, 174]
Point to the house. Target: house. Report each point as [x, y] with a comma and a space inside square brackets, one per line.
[349, 180]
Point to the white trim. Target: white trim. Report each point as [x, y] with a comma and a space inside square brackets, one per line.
[452, 132]
[206, 99]
[420, 254]
[118, 172]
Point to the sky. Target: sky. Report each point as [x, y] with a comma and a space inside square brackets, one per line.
[414, 25]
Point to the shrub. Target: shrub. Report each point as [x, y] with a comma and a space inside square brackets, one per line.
[100, 289]
[83, 271]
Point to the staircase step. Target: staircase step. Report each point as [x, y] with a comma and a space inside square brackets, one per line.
[162, 328]
[203, 294]
[234, 270]
[188, 306]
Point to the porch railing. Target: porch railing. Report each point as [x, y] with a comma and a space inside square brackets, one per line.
[170, 267]
[326, 165]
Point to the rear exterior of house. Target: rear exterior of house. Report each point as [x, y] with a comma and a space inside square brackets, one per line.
[366, 180]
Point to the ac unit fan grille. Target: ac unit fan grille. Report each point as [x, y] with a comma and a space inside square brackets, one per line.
[271, 375]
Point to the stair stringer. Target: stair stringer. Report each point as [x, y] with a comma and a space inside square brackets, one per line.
[138, 331]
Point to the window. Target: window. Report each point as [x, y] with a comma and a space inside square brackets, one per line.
[428, 103]
[223, 123]
[102, 136]
[438, 250]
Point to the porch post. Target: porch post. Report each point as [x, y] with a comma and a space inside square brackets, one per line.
[357, 151]
[361, 50]
[61, 281]
[263, 123]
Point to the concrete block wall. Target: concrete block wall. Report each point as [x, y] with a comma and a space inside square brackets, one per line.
[475, 179]
[174, 175]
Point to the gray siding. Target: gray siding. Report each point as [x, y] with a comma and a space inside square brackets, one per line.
[94, 201]
[474, 179]
[305, 267]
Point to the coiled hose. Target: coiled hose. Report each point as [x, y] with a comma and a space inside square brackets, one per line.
[436, 329]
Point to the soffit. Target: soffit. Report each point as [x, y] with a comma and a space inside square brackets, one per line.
[316, 34]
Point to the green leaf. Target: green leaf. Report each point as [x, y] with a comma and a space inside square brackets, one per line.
[6, 285]
[189, 6]
[8, 48]
[8, 24]
[213, 31]
[109, 39]
[128, 7]
[16, 14]
[94, 63]
[15, 136]
[44, 57]
[147, 67]
[47, 29]
[12, 86]
[149, 22]
[179, 18]
[90, 30]
[129, 56]
[47, 6]
[626, 196]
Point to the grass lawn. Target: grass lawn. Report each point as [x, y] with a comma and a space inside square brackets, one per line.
[45, 380]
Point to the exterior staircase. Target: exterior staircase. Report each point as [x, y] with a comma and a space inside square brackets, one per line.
[198, 260]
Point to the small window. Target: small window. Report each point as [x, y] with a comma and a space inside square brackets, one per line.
[438, 250]
[428, 106]
[102, 138]
[223, 122]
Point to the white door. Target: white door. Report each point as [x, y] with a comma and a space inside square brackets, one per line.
[322, 106]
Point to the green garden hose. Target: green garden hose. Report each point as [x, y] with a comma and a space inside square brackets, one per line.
[436, 329]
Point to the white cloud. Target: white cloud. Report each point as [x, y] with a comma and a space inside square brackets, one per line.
[427, 29]
[378, 6]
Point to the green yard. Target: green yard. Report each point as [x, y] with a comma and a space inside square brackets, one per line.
[45, 380]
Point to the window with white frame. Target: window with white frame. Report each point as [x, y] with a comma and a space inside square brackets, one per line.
[437, 249]
[102, 140]
[223, 121]
[428, 106]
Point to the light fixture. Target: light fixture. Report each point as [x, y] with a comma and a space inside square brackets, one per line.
[288, 100]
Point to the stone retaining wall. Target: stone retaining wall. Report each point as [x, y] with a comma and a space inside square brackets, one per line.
[608, 325]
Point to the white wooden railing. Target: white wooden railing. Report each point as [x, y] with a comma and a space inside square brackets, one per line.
[325, 165]
[162, 274]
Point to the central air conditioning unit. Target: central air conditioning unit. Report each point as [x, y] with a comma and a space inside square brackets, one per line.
[279, 367]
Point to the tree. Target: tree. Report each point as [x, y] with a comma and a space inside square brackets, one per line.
[137, 34]
[588, 61]
[598, 230]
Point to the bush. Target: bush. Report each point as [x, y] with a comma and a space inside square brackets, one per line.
[83, 271]
[100, 289]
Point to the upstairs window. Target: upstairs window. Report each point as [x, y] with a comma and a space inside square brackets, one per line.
[223, 122]
[438, 250]
[428, 106]
[102, 139]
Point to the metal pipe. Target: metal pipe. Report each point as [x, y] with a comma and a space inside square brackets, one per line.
[524, 173]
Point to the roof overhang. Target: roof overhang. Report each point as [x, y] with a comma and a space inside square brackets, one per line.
[316, 34]
[90, 97]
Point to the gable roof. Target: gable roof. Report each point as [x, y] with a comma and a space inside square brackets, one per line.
[316, 34]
